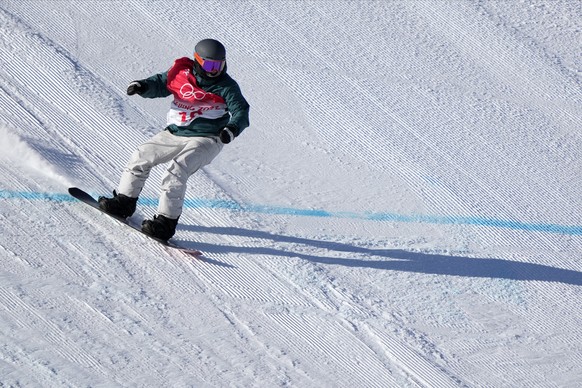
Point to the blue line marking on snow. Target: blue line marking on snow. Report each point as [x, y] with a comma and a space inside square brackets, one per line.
[6, 194]
[200, 203]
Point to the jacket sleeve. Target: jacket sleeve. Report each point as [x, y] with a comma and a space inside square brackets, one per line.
[238, 107]
[156, 86]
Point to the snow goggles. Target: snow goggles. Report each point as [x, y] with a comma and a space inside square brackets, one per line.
[210, 65]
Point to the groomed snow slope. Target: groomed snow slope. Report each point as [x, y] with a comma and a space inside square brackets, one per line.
[403, 211]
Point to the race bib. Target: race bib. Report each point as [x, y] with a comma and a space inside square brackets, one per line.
[190, 101]
[182, 115]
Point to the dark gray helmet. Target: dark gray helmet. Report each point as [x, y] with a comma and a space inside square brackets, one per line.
[210, 49]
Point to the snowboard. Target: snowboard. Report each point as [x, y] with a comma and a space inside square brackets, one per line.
[89, 200]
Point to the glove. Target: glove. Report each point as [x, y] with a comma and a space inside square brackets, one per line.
[227, 134]
[136, 87]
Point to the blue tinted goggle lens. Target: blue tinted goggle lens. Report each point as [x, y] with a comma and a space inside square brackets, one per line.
[209, 65]
[212, 66]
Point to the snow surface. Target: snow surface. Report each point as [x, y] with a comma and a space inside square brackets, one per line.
[403, 211]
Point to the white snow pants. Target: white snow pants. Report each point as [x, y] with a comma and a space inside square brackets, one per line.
[186, 154]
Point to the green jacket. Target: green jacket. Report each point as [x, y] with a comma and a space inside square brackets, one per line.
[221, 95]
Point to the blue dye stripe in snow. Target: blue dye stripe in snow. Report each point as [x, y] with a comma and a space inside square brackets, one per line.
[369, 216]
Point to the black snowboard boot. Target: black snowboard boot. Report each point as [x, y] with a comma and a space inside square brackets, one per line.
[120, 205]
[160, 227]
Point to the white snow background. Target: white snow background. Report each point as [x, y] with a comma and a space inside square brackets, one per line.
[404, 209]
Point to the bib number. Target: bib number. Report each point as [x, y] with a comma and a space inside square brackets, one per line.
[181, 117]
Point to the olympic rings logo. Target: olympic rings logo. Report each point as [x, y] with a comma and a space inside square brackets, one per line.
[188, 91]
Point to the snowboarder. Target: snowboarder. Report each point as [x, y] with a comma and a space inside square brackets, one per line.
[208, 111]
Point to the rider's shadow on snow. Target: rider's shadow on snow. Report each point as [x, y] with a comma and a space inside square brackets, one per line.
[397, 259]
